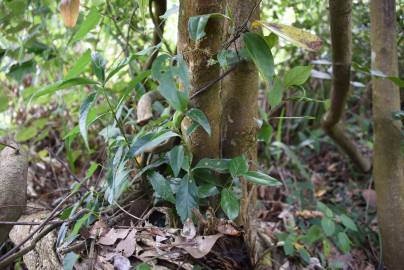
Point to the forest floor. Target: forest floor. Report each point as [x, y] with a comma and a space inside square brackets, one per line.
[290, 216]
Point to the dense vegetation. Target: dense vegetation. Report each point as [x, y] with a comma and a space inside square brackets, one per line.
[203, 134]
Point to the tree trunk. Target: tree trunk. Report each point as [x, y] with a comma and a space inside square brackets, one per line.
[197, 55]
[388, 165]
[341, 37]
[240, 111]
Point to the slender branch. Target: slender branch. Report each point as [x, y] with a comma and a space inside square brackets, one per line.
[8, 145]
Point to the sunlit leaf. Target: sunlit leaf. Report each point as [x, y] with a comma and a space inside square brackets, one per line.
[275, 93]
[26, 134]
[62, 85]
[297, 36]
[84, 109]
[90, 21]
[79, 66]
[98, 64]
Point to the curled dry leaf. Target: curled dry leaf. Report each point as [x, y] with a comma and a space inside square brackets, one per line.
[70, 12]
[128, 245]
[189, 230]
[200, 246]
[227, 228]
[114, 234]
[308, 214]
[297, 36]
[98, 229]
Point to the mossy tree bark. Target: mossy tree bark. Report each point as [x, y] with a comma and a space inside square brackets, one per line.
[239, 97]
[198, 55]
[388, 161]
[341, 39]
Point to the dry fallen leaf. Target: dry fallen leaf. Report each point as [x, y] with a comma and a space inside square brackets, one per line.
[227, 228]
[110, 238]
[98, 229]
[200, 246]
[121, 263]
[70, 12]
[128, 245]
[370, 197]
[189, 230]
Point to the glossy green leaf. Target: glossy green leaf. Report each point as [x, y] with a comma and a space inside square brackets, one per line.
[199, 117]
[90, 21]
[161, 186]
[155, 141]
[70, 260]
[118, 68]
[217, 165]
[168, 89]
[80, 65]
[297, 75]
[143, 266]
[84, 109]
[328, 226]
[186, 198]
[238, 166]
[260, 178]
[176, 159]
[260, 53]
[230, 203]
[197, 25]
[265, 133]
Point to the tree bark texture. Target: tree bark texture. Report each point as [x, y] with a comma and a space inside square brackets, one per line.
[239, 97]
[388, 164]
[197, 55]
[341, 39]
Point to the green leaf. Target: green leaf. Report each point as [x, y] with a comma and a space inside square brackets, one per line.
[161, 186]
[70, 260]
[155, 142]
[64, 84]
[98, 64]
[230, 203]
[260, 178]
[275, 93]
[120, 66]
[328, 226]
[84, 109]
[297, 75]
[197, 25]
[90, 21]
[143, 266]
[217, 165]
[207, 190]
[79, 66]
[176, 158]
[186, 198]
[348, 222]
[343, 242]
[271, 40]
[199, 117]
[168, 89]
[304, 254]
[26, 134]
[265, 133]
[238, 166]
[324, 208]
[260, 53]
[3, 102]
